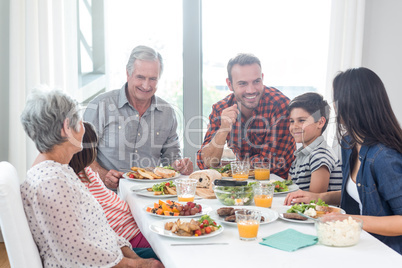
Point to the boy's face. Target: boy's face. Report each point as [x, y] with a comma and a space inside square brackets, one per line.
[303, 128]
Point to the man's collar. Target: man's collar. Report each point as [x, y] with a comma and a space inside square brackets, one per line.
[123, 100]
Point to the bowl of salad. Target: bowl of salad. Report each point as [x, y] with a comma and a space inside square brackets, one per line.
[235, 195]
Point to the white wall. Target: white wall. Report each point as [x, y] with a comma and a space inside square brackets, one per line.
[382, 47]
[4, 74]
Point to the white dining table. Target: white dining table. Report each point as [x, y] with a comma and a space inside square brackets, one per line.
[369, 252]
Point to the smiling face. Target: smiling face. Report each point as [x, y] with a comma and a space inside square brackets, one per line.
[247, 86]
[143, 82]
[303, 128]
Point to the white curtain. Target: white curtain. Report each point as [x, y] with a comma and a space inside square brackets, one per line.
[43, 45]
[345, 49]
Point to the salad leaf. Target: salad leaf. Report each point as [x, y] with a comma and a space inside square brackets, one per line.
[210, 221]
[280, 186]
[321, 203]
[158, 187]
[169, 167]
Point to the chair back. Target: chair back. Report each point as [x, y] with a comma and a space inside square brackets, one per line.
[21, 248]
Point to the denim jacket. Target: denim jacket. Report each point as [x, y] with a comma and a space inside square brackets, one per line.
[379, 184]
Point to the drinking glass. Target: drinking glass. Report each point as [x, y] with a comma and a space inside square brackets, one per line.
[262, 170]
[240, 170]
[248, 222]
[263, 194]
[186, 189]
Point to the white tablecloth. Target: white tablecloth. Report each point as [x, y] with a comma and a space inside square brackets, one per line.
[369, 252]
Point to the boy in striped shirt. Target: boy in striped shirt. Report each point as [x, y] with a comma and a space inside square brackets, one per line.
[316, 167]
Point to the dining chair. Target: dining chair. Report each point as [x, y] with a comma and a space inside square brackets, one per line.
[21, 248]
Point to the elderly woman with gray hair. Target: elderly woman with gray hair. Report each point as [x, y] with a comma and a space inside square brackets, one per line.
[67, 223]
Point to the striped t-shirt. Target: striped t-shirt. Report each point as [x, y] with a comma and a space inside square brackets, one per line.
[117, 211]
[311, 158]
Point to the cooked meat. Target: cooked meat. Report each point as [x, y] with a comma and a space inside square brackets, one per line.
[231, 218]
[294, 216]
[184, 233]
[225, 211]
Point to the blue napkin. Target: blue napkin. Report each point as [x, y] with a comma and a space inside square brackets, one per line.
[289, 240]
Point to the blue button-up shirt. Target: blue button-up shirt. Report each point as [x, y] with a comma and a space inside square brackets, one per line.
[127, 139]
[379, 184]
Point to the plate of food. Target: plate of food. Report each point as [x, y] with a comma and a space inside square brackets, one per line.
[165, 189]
[170, 209]
[226, 215]
[204, 227]
[313, 209]
[149, 174]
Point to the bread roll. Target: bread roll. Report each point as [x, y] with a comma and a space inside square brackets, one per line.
[205, 177]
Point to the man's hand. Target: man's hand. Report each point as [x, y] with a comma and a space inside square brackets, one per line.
[228, 117]
[112, 179]
[184, 166]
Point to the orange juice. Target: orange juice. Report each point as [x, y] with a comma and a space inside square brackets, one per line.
[248, 228]
[262, 174]
[240, 177]
[263, 200]
[185, 198]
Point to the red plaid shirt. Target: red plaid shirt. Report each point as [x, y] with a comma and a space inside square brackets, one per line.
[265, 136]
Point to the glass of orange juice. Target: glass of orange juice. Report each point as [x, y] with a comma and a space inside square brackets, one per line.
[186, 189]
[240, 170]
[262, 170]
[248, 222]
[263, 194]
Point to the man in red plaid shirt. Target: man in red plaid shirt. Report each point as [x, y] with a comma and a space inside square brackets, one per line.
[253, 120]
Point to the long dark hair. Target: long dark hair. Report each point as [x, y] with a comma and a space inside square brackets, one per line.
[88, 154]
[364, 112]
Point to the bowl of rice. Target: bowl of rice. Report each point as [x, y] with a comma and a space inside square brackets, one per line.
[338, 230]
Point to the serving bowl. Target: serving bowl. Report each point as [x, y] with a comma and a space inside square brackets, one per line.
[234, 195]
[338, 230]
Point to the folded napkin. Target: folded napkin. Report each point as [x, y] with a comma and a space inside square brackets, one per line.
[289, 240]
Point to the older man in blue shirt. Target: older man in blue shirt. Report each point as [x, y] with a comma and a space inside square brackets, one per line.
[135, 127]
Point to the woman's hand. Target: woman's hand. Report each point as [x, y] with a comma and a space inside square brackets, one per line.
[300, 196]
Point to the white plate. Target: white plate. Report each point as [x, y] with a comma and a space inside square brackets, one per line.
[158, 227]
[148, 180]
[293, 187]
[285, 208]
[144, 192]
[205, 210]
[269, 214]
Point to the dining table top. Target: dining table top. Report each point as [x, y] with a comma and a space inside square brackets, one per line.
[226, 249]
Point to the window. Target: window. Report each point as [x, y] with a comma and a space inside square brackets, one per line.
[91, 48]
[290, 37]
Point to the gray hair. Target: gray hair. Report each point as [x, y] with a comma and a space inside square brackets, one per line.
[44, 114]
[143, 53]
[241, 59]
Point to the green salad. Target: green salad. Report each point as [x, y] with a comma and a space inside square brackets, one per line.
[159, 187]
[235, 195]
[222, 169]
[303, 207]
[282, 186]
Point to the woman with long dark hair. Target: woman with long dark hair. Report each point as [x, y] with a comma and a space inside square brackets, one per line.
[371, 140]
